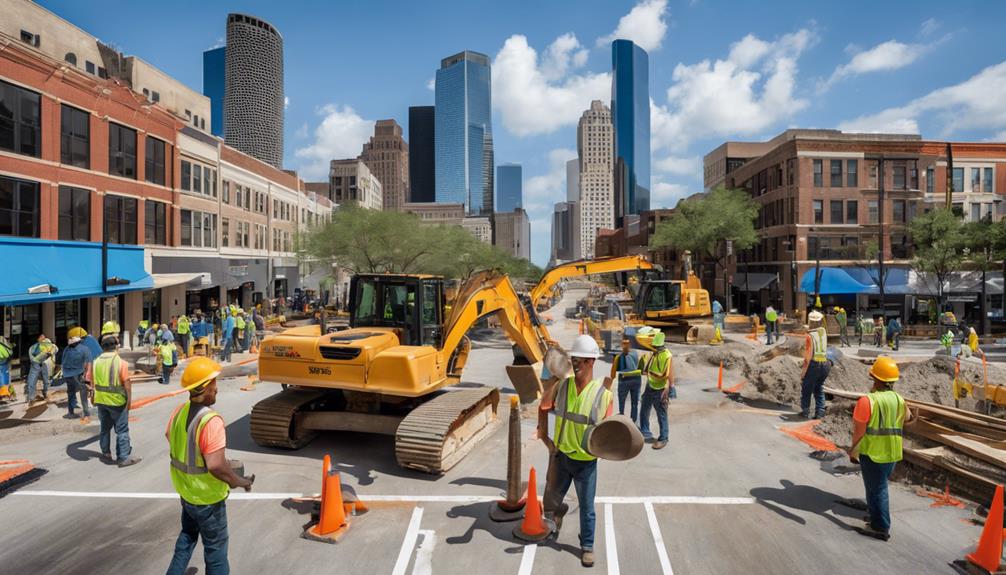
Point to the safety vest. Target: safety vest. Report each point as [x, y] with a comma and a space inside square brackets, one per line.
[183, 325]
[575, 412]
[167, 354]
[771, 315]
[883, 439]
[189, 474]
[144, 324]
[108, 389]
[656, 370]
[819, 339]
[239, 322]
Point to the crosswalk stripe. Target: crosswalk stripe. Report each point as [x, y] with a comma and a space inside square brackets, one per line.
[658, 540]
[527, 560]
[611, 548]
[409, 543]
[424, 554]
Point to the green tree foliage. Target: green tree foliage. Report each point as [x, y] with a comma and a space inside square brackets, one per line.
[374, 241]
[985, 241]
[940, 247]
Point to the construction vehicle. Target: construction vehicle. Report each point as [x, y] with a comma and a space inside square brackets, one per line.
[679, 308]
[387, 373]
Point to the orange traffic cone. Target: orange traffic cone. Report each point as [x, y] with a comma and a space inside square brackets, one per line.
[990, 545]
[535, 526]
[719, 380]
[334, 518]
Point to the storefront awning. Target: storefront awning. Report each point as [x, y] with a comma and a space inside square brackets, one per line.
[754, 282]
[192, 280]
[50, 270]
[833, 281]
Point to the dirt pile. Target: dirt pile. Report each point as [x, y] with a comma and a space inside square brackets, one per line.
[734, 355]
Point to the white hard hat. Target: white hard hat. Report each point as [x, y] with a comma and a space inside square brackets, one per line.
[815, 316]
[585, 346]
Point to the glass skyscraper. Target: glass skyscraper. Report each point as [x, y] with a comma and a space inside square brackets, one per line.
[463, 136]
[214, 63]
[509, 187]
[630, 112]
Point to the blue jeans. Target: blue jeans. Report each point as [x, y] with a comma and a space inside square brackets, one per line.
[769, 331]
[225, 354]
[562, 471]
[875, 476]
[652, 400]
[74, 385]
[36, 371]
[813, 384]
[118, 418]
[166, 373]
[4, 373]
[210, 521]
[628, 388]
[183, 341]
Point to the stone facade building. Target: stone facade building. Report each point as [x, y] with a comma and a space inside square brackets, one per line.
[387, 157]
[352, 182]
[595, 149]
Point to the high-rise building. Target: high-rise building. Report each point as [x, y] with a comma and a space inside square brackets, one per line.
[512, 233]
[352, 182]
[594, 144]
[509, 187]
[573, 180]
[253, 89]
[565, 233]
[387, 156]
[422, 178]
[214, 74]
[630, 110]
[463, 135]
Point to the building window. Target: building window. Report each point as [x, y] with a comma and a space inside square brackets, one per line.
[818, 173]
[74, 137]
[818, 211]
[20, 120]
[122, 152]
[930, 180]
[987, 185]
[226, 192]
[199, 229]
[976, 180]
[899, 212]
[873, 207]
[154, 167]
[976, 212]
[19, 208]
[74, 214]
[913, 176]
[836, 212]
[241, 238]
[225, 230]
[899, 177]
[89, 66]
[852, 173]
[197, 178]
[120, 219]
[958, 180]
[155, 223]
[790, 171]
[186, 176]
[852, 212]
[836, 173]
[70, 58]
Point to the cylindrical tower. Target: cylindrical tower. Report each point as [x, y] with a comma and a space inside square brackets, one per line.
[253, 89]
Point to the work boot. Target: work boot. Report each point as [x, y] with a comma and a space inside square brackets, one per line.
[131, 460]
[587, 557]
[660, 445]
[869, 531]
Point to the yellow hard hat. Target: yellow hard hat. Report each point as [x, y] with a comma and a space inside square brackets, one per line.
[76, 332]
[199, 372]
[884, 369]
[110, 328]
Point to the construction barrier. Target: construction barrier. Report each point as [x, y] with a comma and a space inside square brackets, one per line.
[535, 527]
[334, 516]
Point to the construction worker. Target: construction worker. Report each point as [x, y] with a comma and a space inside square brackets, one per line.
[843, 326]
[112, 393]
[239, 326]
[200, 472]
[659, 388]
[151, 336]
[577, 403]
[893, 330]
[184, 334]
[227, 333]
[771, 319]
[879, 332]
[6, 352]
[168, 354]
[42, 356]
[141, 329]
[719, 317]
[249, 331]
[878, 424]
[76, 358]
[816, 366]
[626, 368]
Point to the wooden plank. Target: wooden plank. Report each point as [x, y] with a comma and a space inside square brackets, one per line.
[977, 450]
[923, 426]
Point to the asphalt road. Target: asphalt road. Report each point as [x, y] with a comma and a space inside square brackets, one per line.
[731, 494]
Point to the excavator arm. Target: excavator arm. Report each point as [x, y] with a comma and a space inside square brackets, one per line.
[580, 268]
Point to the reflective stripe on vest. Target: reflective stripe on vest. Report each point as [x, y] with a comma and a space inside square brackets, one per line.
[108, 389]
[819, 339]
[883, 440]
[189, 474]
[657, 368]
[571, 422]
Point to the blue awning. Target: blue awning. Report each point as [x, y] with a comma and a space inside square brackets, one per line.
[61, 270]
[833, 281]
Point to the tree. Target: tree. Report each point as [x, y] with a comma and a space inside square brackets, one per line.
[940, 248]
[986, 244]
[705, 223]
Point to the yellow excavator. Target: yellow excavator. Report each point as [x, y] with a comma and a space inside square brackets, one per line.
[387, 373]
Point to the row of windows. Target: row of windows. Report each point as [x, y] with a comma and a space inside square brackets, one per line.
[199, 229]
[198, 179]
[903, 211]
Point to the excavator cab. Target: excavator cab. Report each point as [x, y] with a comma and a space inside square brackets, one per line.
[412, 305]
[657, 296]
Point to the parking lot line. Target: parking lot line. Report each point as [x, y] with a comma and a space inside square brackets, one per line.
[658, 540]
[409, 543]
[424, 553]
[611, 548]
[527, 559]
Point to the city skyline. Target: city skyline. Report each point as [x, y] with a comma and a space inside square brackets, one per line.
[897, 71]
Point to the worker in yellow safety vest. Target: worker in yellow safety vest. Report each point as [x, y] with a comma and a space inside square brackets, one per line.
[111, 392]
[200, 472]
[816, 366]
[878, 426]
[659, 389]
[184, 334]
[578, 403]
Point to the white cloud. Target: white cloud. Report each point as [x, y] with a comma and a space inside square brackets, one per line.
[541, 192]
[286, 102]
[340, 134]
[930, 26]
[644, 25]
[884, 57]
[679, 166]
[539, 98]
[750, 91]
[431, 84]
[963, 106]
[666, 195]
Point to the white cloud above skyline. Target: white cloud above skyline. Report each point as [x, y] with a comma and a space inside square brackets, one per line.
[645, 25]
[340, 134]
[884, 57]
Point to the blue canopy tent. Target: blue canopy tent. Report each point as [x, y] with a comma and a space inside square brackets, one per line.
[895, 282]
[833, 281]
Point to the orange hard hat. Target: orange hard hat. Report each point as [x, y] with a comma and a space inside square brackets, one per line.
[199, 372]
[884, 369]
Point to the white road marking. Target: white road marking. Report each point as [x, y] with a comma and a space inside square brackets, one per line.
[239, 496]
[658, 540]
[611, 549]
[409, 543]
[424, 554]
[527, 559]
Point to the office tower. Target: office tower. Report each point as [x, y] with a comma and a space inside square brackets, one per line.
[422, 187]
[214, 70]
[594, 144]
[630, 110]
[512, 233]
[387, 156]
[573, 180]
[565, 233]
[253, 90]
[509, 187]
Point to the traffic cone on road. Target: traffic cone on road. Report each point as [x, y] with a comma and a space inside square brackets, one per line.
[535, 526]
[990, 546]
[719, 380]
[334, 517]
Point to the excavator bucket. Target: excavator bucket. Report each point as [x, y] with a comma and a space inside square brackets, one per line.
[526, 381]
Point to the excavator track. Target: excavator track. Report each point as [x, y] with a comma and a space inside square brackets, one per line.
[274, 419]
[439, 433]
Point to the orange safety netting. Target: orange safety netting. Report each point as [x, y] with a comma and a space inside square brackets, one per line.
[805, 433]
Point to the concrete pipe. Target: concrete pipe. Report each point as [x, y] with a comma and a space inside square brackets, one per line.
[616, 439]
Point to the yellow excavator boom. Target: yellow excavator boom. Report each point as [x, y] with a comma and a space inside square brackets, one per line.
[553, 276]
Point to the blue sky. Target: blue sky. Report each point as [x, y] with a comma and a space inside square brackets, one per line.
[718, 70]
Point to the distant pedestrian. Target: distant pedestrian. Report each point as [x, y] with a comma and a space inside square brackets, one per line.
[894, 333]
[42, 356]
[6, 352]
[816, 366]
[771, 321]
[75, 362]
[227, 333]
[249, 331]
[719, 317]
[659, 389]
[878, 426]
[112, 392]
[843, 326]
[184, 334]
[626, 368]
[168, 353]
[879, 332]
